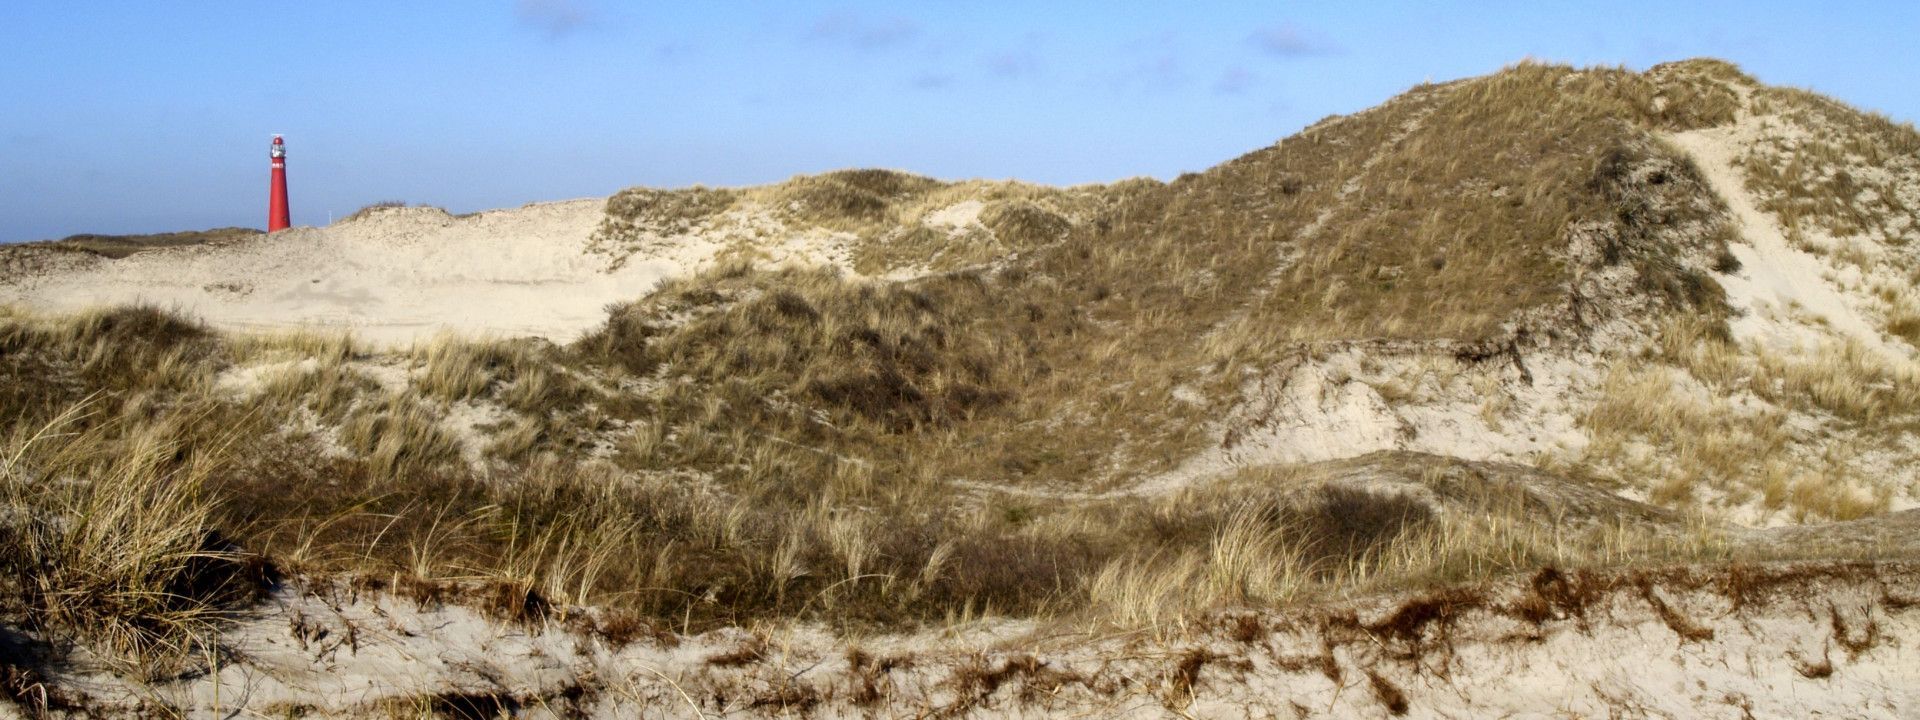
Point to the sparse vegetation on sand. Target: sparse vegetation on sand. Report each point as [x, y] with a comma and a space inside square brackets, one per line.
[119, 246]
[1852, 175]
[373, 208]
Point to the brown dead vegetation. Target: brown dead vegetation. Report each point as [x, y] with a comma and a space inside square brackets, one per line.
[1028, 680]
[751, 650]
[871, 676]
[977, 682]
[1389, 695]
[1844, 635]
[1679, 623]
[1815, 670]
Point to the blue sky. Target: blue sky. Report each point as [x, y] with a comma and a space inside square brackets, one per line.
[150, 116]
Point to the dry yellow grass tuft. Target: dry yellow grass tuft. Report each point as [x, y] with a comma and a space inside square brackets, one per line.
[1706, 423]
[110, 541]
[1274, 535]
[1821, 165]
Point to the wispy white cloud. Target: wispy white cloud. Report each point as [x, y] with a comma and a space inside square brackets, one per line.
[676, 51]
[1288, 40]
[1157, 63]
[1234, 81]
[1019, 61]
[863, 32]
[932, 81]
[556, 18]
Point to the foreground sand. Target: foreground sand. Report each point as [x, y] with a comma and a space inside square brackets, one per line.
[1807, 640]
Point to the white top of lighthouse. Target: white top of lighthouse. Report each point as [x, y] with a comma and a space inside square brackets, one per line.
[279, 147]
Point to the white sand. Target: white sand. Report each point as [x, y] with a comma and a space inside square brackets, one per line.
[399, 275]
[1331, 409]
[1777, 281]
[957, 216]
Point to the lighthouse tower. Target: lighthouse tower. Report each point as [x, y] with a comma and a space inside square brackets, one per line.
[277, 215]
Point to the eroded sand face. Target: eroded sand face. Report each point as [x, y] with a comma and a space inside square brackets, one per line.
[400, 275]
[1795, 641]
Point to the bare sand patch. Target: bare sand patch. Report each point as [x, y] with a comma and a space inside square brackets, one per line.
[396, 275]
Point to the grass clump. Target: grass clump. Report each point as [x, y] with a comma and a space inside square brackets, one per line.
[941, 376]
[1706, 423]
[1903, 321]
[378, 206]
[934, 248]
[119, 246]
[49, 364]
[1274, 535]
[110, 542]
[370, 209]
[522, 374]
[899, 357]
[668, 210]
[852, 200]
[1024, 224]
[398, 436]
[1010, 219]
[638, 216]
[885, 184]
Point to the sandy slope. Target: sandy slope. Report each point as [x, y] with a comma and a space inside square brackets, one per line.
[399, 274]
[1787, 300]
[1776, 279]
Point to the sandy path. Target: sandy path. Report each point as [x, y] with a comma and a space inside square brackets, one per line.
[1775, 278]
[400, 275]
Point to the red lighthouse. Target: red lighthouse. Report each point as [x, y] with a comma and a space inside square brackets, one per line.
[277, 193]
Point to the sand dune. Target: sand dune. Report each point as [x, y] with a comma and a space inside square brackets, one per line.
[398, 274]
